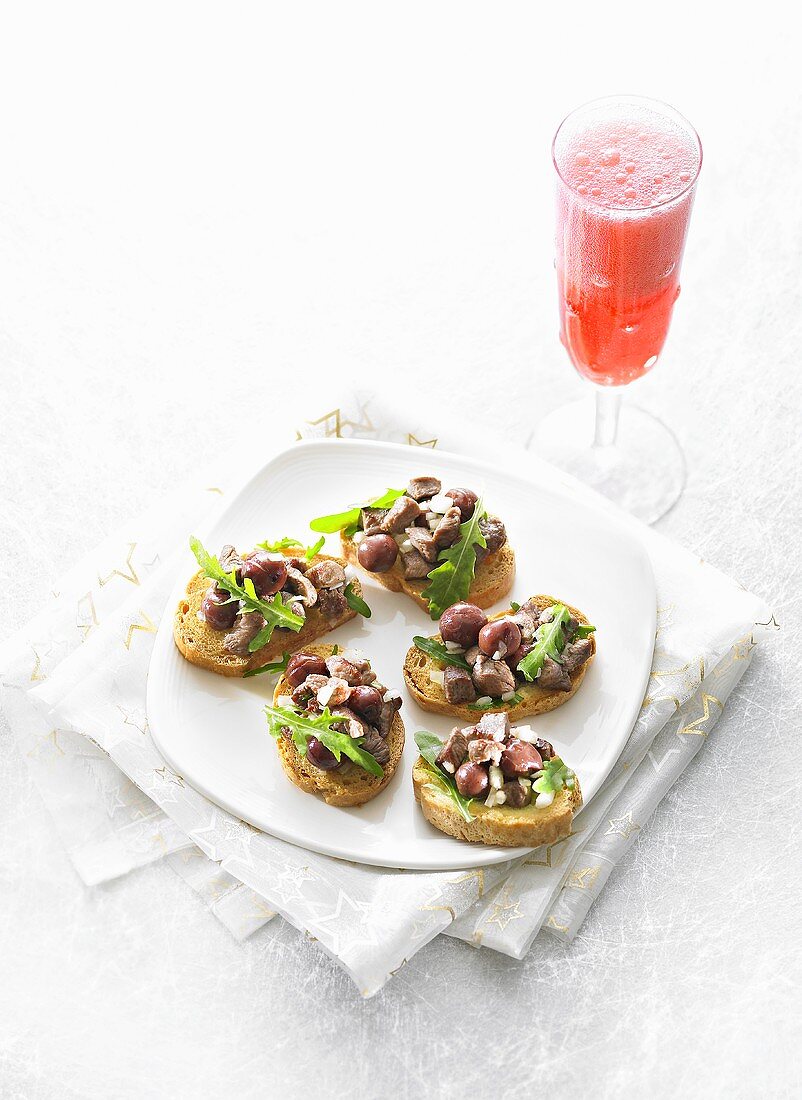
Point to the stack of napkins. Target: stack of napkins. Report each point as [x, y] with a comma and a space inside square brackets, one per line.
[73, 690]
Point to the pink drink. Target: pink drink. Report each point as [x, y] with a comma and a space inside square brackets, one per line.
[627, 175]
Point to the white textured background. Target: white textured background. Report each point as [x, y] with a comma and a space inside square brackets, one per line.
[202, 209]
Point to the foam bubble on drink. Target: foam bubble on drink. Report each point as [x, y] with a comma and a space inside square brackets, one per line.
[659, 158]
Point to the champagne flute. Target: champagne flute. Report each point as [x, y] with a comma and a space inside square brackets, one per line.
[626, 175]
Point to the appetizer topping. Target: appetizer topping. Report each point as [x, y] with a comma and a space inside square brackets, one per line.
[474, 764]
[499, 637]
[458, 685]
[335, 711]
[465, 500]
[231, 562]
[301, 665]
[453, 752]
[462, 623]
[326, 574]
[422, 540]
[333, 603]
[247, 626]
[483, 750]
[269, 575]
[217, 609]
[492, 659]
[472, 780]
[334, 691]
[320, 756]
[256, 593]
[446, 532]
[377, 553]
[414, 565]
[423, 488]
[494, 534]
[366, 702]
[437, 535]
[300, 584]
[492, 678]
[403, 514]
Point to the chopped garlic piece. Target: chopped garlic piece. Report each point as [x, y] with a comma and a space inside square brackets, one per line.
[544, 800]
[436, 675]
[441, 503]
[496, 777]
[525, 733]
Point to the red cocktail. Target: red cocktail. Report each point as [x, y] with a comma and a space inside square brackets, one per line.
[626, 170]
[627, 173]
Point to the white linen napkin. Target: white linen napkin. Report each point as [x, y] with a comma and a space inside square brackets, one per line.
[73, 688]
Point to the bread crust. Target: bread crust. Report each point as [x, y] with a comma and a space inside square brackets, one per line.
[503, 825]
[492, 581]
[202, 646]
[536, 700]
[349, 785]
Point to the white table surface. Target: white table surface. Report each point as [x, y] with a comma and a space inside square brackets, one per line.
[201, 202]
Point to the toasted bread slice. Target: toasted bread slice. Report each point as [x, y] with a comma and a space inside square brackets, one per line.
[349, 785]
[203, 646]
[536, 700]
[492, 581]
[528, 827]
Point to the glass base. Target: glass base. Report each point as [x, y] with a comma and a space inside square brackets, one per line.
[643, 471]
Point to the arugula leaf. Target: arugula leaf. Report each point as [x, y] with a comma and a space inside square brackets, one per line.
[515, 606]
[554, 777]
[302, 726]
[513, 702]
[275, 612]
[451, 581]
[584, 630]
[549, 642]
[286, 543]
[438, 652]
[274, 666]
[429, 747]
[349, 520]
[356, 603]
[318, 546]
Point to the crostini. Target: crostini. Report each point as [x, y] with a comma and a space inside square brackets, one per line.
[526, 660]
[437, 547]
[495, 784]
[241, 611]
[338, 730]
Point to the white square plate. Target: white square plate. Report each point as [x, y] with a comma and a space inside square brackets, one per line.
[211, 728]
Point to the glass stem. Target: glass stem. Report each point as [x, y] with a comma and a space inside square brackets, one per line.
[608, 406]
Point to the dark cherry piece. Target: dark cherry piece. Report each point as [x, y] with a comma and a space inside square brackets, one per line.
[465, 500]
[502, 636]
[219, 614]
[520, 759]
[472, 780]
[367, 703]
[377, 553]
[319, 756]
[268, 574]
[461, 624]
[301, 665]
